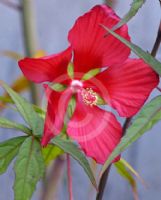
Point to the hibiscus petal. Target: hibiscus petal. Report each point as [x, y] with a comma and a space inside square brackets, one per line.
[46, 68]
[97, 131]
[128, 86]
[56, 109]
[91, 48]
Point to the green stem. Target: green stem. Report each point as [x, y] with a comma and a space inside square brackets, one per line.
[29, 27]
[30, 39]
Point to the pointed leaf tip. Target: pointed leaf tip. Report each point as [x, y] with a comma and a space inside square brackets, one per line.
[29, 169]
[144, 121]
[72, 149]
[26, 110]
[148, 58]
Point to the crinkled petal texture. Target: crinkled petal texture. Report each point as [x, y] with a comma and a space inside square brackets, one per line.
[128, 85]
[97, 131]
[46, 68]
[56, 109]
[91, 48]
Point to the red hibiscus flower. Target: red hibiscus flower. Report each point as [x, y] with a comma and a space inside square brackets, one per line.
[123, 83]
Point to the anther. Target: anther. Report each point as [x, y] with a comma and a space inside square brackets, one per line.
[89, 96]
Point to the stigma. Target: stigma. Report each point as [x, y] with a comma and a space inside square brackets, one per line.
[76, 83]
[76, 86]
[90, 97]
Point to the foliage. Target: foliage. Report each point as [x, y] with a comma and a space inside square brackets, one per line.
[144, 121]
[29, 158]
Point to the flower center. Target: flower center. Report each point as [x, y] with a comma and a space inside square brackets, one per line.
[76, 85]
[90, 97]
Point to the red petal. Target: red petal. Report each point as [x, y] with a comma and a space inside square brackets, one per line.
[56, 109]
[91, 48]
[97, 131]
[46, 68]
[128, 86]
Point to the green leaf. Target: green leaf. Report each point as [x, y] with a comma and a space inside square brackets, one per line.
[7, 99]
[100, 101]
[11, 54]
[154, 63]
[5, 123]
[132, 170]
[146, 119]
[8, 150]
[26, 110]
[70, 70]
[72, 149]
[29, 169]
[71, 107]
[121, 169]
[57, 87]
[91, 74]
[51, 152]
[135, 6]
[39, 111]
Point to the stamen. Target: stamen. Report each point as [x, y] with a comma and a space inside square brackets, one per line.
[90, 97]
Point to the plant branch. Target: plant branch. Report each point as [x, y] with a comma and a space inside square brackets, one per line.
[102, 183]
[105, 176]
[70, 189]
[11, 5]
[127, 123]
[158, 88]
[157, 42]
[30, 42]
[30, 39]
[110, 3]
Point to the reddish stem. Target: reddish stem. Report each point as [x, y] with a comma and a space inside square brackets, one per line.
[70, 188]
